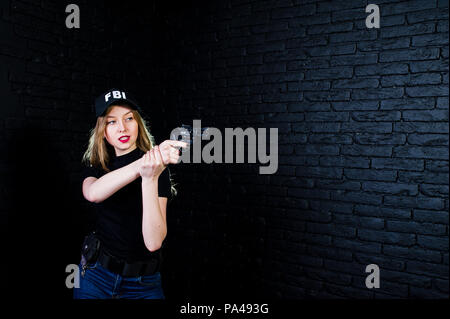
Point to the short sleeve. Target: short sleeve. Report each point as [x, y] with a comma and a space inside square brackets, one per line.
[164, 184]
[88, 171]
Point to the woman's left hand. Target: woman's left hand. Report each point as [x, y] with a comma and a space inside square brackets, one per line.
[152, 164]
[170, 151]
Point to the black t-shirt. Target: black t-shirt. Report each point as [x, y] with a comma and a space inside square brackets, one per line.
[119, 217]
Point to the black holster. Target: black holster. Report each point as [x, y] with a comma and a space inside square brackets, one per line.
[91, 247]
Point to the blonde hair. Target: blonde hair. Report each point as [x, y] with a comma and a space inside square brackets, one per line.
[97, 153]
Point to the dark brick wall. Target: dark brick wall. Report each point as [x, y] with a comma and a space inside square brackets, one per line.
[363, 137]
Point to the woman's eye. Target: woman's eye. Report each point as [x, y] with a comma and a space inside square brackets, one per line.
[111, 122]
[130, 118]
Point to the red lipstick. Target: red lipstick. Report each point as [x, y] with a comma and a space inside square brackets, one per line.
[124, 138]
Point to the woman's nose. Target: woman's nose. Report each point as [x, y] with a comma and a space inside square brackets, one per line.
[121, 126]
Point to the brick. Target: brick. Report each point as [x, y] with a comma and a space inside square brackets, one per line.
[410, 55]
[285, 55]
[331, 95]
[430, 39]
[332, 49]
[343, 185]
[382, 69]
[423, 177]
[442, 26]
[355, 105]
[330, 28]
[414, 202]
[363, 150]
[329, 73]
[418, 127]
[370, 174]
[436, 90]
[387, 237]
[429, 66]
[355, 83]
[415, 228]
[314, 85]
[417, 292]
[312, 63]
[353, 36]
[376, 116]
[442, 103]
[357, 59]
[390, 188]
[428, 139]
[309, 107]
[436, 166]
[327, 172]
[408, 6]
[391, 20]
[411, 79]
[344, 161]
[356, 197]
[397, 163]
[383, 44]
[380, 139]
[303, 42]
[362, 222]
[414, 253]
[427, 269]
[375, 211]
[414, 29]
[427, 15]
[421, 152]
[327, 116]
[330, 139]
[313, 127]
[408, 103]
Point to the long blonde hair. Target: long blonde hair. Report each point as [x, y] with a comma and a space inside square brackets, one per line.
[97, 153]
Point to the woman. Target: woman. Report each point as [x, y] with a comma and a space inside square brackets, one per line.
[127, 180]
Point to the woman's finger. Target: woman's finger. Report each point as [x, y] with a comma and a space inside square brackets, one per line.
[152, 156]
[174, 143]
[158, 156]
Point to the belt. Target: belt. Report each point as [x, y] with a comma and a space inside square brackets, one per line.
[125, 269]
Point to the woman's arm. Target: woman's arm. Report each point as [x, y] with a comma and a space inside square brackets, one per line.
[97, 190]
[154, 227]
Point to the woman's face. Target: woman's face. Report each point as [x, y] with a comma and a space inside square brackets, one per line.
[121, 129]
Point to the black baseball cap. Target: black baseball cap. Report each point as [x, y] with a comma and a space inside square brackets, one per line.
[113, 96]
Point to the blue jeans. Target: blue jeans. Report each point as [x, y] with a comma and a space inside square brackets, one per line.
[99, 283]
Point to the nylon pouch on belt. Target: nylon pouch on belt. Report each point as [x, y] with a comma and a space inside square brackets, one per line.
[91, 247]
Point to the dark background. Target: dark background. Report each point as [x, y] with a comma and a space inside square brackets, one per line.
[363, 140]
